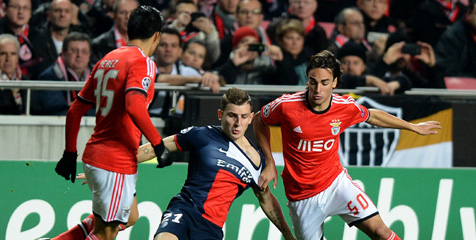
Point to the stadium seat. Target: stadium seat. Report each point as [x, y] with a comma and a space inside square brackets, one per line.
[465, 83]
[328, 27]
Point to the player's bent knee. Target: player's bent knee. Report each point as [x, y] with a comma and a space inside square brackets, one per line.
[166, 236]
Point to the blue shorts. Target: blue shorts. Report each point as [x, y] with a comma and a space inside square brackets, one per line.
[184, 221]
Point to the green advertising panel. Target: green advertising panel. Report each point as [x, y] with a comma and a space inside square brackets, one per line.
[415, 203]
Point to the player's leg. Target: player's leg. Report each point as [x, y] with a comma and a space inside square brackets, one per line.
[113, 200]
[133, 216]
[375, 228]
[307, 217]
[166, 236]
[103, 230]
[78, 232]
[353, 205]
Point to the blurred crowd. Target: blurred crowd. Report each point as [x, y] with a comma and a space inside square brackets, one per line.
[394, 45]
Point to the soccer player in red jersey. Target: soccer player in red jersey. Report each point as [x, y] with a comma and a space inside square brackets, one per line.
[315, 182]
[121, 88]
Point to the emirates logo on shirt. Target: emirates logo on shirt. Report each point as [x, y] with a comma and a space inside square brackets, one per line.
[335, 126]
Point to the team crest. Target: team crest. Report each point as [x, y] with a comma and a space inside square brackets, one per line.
[366, 145]
[335, 126]
[266, 110]
[146, 83]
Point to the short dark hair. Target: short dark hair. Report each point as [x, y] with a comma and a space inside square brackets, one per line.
[326, 59]
[184, 2]
[173, 31]
[192, 41]
[75, 36]
[144, 22]
[235, 96]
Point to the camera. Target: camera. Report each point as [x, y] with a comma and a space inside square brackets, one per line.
[196, 15]
[256, 47]
[411, 49]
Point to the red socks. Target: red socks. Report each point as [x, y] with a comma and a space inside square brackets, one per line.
[78, 232]
[393, 236]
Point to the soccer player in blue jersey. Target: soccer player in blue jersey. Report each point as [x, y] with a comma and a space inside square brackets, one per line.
[223, 163]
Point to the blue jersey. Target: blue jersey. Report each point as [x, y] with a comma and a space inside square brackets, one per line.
[218, 171]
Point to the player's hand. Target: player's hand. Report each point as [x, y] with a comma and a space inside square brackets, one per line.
[82, 176]
[393, 53]
[274, 52]
[211, 80]
[427, 54]
[66, 167]
[162, 153]
[269, 174]
[203, 24]
[242, 55]
[427, 128]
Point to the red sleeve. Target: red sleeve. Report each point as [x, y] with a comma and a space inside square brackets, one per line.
[136, 106]
[271, 113]
[73, 122]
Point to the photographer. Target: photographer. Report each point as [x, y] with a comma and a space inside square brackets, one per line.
[408, 62]
[193, 24]
[249, 62]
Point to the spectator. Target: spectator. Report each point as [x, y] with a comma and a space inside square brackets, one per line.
[12, 101]
[200, 28]
[116, 37]
[250, 13]
[79, 21]
[397, 63]
[194, 54]
[350, 27]
[170, 70]
[375, 19]
[245, 66]
[71, 65]
[18, 14]
[353, 61]
[49, 42]
[403, 12]
[292, 69]
[100, 16]
[223, 17]
[433, 17]
[303, 10]
[456, 49]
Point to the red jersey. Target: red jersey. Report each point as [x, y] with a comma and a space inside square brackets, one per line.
[116, 138]
[311, 140]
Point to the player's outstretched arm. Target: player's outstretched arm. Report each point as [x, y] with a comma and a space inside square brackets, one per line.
[273, 211]
[146, 151]
[384, 119]
[262, 134]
